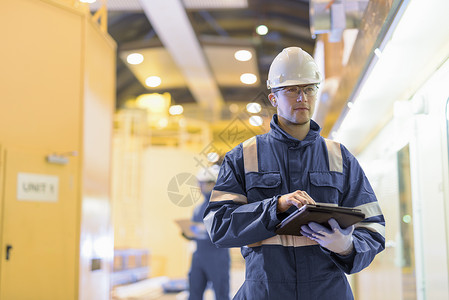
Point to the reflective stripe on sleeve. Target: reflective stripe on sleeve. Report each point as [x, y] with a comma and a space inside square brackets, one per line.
[250, 155]
[227, 196]
[376, 227]
[334, 155]
[371, 209]
[286, 241]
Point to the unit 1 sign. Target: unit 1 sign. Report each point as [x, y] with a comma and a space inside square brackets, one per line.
[37, 187]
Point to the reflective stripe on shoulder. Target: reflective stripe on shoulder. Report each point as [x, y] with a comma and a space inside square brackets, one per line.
[334, 155]
[375, 227]
[286, 241]
[371, 209]
[250, 155]
[227, 196]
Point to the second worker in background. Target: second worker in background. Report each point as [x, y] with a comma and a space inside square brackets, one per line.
[210, 265]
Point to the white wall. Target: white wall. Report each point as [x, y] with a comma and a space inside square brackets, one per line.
[429, 170]
[383, 278]
[170, 253]
[421, 123]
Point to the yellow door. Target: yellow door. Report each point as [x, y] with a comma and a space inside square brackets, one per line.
[39, 227]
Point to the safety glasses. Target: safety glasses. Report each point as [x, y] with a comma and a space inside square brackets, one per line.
[294, 91]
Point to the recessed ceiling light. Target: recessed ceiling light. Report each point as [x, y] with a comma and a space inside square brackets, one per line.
[175, 110]
[253, 107]
[134, 58]
[248, 78]
[243, 55]
[234, 108]
[213, 157]
[262, 30]
[378, 52]
[256, 120]
[153, 81]
[88, 1]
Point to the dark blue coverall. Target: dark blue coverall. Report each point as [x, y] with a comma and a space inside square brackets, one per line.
[209, 264]
[242, 213]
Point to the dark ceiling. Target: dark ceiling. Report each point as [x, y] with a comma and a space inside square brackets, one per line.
[287, 20]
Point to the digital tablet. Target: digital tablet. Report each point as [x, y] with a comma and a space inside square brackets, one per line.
[320, 214]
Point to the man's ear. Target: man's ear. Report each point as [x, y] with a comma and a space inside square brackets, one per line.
[272, 99]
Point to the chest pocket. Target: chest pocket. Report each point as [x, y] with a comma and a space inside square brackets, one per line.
[326, 187]
[262, 185]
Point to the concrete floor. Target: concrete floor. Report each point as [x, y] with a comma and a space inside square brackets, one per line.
[237, 278]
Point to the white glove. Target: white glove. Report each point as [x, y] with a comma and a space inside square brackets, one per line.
[336, 239]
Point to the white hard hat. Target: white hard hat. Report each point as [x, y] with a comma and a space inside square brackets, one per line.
[208, 174]
[293, 66]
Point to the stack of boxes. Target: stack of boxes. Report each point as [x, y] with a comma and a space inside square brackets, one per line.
[130, 265]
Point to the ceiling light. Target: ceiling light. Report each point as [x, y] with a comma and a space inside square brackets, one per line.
[406, 219]
[378, 52]
[213, 157]
[155, 103]
[175, 110]
[262, 30]
[234, 108]
[88, 1]
[153, 81]
[248, 78]
[134, 58]
[253, 107]
[256, 120]
[243, 55]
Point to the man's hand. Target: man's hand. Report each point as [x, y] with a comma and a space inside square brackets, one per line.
[297, 198]
[336, 239]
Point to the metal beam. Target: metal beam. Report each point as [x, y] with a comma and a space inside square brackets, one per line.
[173, 28]
[376, 21]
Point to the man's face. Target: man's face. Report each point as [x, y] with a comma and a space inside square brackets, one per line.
[296, 103]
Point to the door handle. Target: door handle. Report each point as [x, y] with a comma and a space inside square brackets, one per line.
[8, 248]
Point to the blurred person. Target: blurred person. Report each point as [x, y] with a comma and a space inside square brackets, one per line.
[209, 263]
[269, 176]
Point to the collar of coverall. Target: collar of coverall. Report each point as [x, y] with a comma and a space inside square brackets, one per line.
[279, 134]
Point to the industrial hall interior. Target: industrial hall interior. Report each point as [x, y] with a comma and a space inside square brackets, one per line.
[164, 149]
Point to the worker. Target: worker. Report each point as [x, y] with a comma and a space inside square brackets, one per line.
[269, 176]
[209, 263]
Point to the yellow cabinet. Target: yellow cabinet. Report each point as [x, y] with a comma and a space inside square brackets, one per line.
[39, 227]
[57, 96]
